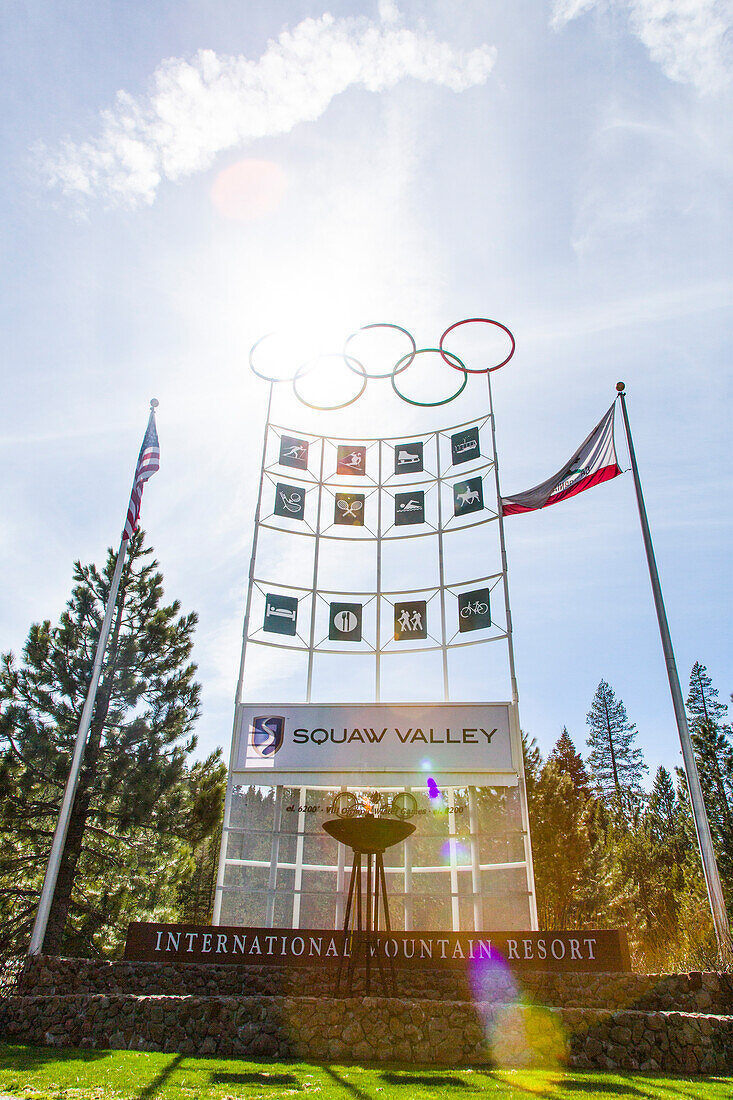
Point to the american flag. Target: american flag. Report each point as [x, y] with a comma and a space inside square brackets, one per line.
[147, 463]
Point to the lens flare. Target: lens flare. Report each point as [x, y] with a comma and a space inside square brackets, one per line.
[527, 1035]
[462, 853]
[518, 1033]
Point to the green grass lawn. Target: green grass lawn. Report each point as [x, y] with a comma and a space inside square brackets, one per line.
[38, 1072]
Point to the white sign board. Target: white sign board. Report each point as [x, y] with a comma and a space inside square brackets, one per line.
[375, 743]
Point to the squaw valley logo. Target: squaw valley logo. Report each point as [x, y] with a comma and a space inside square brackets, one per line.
[266, 733]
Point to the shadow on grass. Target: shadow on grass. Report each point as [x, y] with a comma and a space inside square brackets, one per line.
[613, 1088]
[497, 1078]
[224, 1078]
[27, 1058]
[160, 1079]
[345, 1084]
[438, 1080]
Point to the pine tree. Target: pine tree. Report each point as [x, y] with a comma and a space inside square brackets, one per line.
[617, 767]
[132, 811]
[532, 764]
[664, 816]
[207, 785]
[714, 752]
[568, 761]
[568, 863]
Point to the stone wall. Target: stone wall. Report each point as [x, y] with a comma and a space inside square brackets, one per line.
[708, 992]
[375, 1028]
[676, 1023]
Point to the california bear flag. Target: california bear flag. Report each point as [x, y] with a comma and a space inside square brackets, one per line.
[593, 462]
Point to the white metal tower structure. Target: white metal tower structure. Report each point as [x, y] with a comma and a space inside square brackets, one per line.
[420, 513]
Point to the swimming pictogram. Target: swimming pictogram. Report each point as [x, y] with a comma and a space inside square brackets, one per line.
[409, 507]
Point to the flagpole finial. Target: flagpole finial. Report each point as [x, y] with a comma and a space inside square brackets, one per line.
[620, 386]
[154, 403]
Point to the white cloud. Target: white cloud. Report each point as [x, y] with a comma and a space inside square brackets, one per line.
[689, 39]
[196, 109]
[565, 10]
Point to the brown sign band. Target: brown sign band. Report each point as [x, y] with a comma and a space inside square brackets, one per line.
[599, 950]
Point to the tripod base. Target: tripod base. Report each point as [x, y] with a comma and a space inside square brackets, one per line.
[362, 938]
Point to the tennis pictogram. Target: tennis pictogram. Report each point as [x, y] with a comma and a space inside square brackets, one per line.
[349, 509]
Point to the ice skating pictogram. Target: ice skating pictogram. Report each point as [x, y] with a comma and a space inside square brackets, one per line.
[408, 458]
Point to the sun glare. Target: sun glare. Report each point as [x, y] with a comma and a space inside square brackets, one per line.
[248, 189]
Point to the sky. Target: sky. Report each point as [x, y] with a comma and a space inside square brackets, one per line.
[184, 177]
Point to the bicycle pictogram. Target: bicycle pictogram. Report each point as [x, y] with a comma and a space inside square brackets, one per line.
[476, 608]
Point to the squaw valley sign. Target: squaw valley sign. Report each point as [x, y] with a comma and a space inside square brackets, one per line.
[378, 742]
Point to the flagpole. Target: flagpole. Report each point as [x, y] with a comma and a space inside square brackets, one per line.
[702, 826]
[59, 837]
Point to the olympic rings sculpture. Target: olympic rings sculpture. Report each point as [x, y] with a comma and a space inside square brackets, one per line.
[479, 321]
[431, 404]
[308, 367]
[405, 361]
[385, 324]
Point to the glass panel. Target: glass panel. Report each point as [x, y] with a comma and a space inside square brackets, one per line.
[394, 856]
[508, 912]
[495, 883]
[430, 851]
[465, 912]
[431, 913]
[501, 849]
[290, 814]
[249, 845]
[287, 848]
[243, 909]
[318, 910]
[253, 808]
[435, 882]
[283, 913]
[465, 882]
[500, 840]
[248, 878]
[319, 882]
[320, 848]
